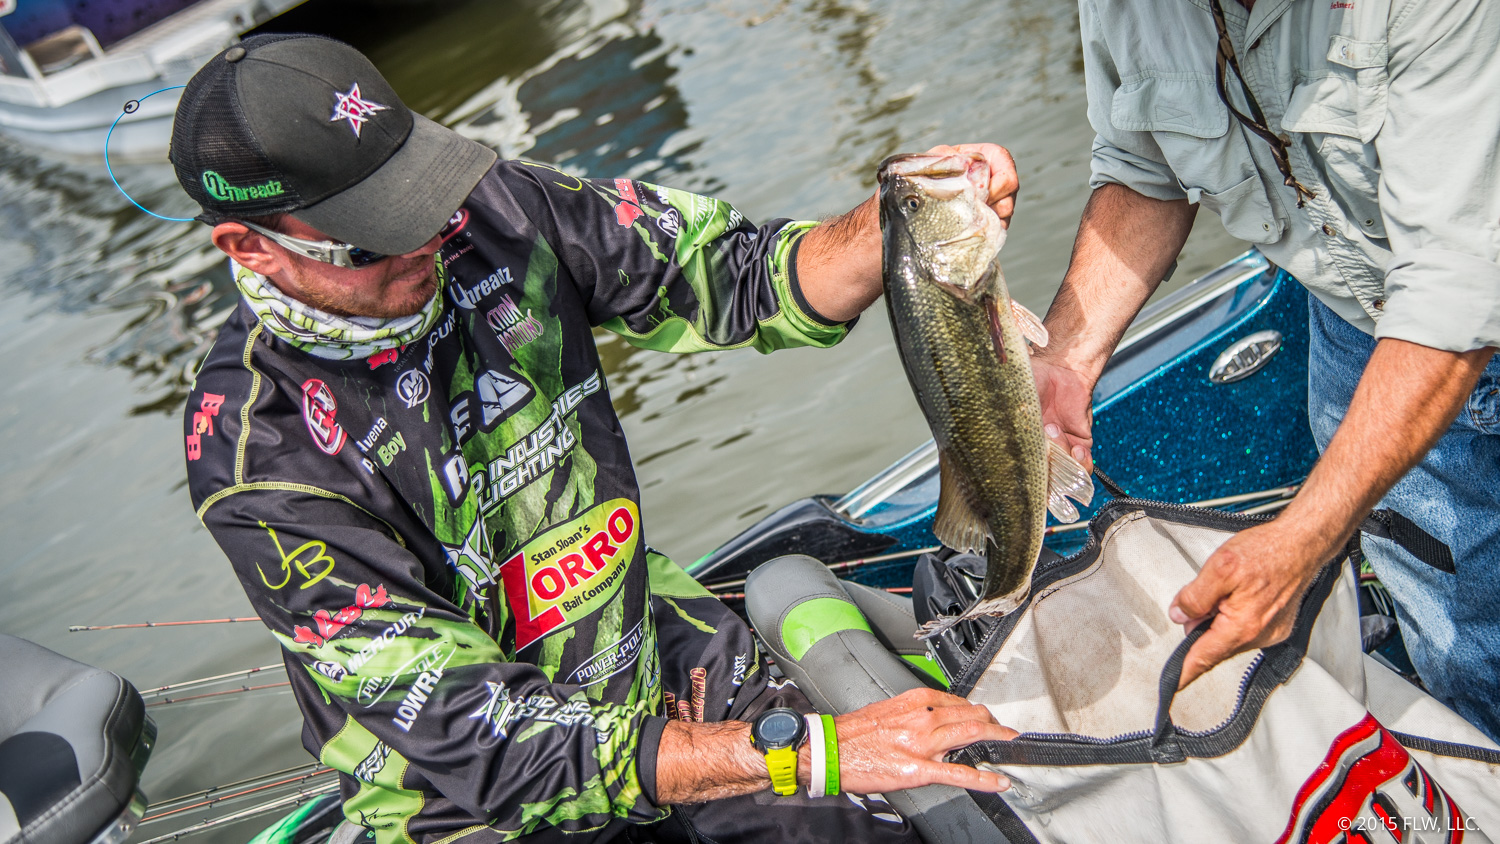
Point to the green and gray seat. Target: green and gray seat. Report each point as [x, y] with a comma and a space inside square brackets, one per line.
[847, 646]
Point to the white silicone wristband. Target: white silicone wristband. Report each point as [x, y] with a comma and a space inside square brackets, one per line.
[818, 785]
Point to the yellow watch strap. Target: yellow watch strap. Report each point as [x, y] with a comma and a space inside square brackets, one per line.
[783, 767]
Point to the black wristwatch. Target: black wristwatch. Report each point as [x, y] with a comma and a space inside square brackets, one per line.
[779, 734]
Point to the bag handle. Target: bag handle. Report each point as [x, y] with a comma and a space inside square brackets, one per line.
[1388, 524]
[1165, 749]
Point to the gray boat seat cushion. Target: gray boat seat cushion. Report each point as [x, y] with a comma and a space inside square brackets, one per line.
[890, 615]
[821, 629]
[839, 642]
[67, 731]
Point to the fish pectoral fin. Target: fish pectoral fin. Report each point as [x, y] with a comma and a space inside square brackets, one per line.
[955, 524]
[1066, 478]
[1030, 324]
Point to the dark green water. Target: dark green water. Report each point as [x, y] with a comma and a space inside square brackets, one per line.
[781, 106]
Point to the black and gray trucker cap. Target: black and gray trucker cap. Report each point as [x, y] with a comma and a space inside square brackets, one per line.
[306, 125]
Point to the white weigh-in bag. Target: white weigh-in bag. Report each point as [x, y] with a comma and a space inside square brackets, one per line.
[1307, 741]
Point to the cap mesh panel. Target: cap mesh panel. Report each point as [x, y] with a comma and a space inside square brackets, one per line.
[211, 136]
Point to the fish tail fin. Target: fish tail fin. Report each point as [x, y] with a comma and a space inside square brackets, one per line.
[1003, 605]
[937, 627]
[1030, 324]
[1066, 478]
[956, 524]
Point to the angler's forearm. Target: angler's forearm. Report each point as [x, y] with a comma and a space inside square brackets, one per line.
[890, 745]
[1125, 244]
[696, 763]
[1407, 397]
[838, 263]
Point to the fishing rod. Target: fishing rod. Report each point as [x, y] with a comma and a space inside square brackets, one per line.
[211, 797]
[190, 684]
[271, 806]
[308, 768]
[81, 628]
[883, 558]
[740, 596]
[171, 700]
[1284, 493]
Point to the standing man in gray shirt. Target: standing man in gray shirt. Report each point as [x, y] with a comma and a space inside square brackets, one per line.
[1357, 143]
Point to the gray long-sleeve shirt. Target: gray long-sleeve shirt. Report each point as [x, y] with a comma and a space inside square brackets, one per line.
[1392, 108]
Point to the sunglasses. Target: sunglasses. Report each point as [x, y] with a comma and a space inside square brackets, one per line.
[326, 251]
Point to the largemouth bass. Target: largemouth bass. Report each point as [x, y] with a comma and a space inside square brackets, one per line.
[963, 342]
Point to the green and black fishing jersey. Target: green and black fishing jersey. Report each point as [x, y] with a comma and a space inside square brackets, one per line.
[446, 537]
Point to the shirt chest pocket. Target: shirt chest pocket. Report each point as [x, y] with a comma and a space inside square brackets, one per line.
[1341, 109]
[1191, 127]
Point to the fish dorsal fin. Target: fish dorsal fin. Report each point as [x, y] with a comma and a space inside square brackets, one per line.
[1029, 323]
[955, 524]
[1066, 478]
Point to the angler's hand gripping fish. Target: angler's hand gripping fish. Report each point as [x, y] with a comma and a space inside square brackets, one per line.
[963, 343]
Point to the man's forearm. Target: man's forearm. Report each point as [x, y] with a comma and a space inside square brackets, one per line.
[1125, 244]
[889, 745]
[838, 263]
[1249, 590]
[1407, 397]
[696, 763]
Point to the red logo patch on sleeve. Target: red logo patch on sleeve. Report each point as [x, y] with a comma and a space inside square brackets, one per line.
[203, 423]
[629, 208]
[319, 408]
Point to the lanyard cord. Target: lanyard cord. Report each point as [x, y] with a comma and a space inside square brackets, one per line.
[1257, 123]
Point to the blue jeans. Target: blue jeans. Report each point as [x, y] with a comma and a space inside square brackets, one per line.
[1451, 622]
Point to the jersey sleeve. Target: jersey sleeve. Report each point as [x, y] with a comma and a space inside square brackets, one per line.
[671, 270]
[418, 697]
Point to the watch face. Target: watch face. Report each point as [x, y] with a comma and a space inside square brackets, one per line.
[778, 728]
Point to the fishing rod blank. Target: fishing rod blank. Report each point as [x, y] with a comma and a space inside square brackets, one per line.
[740, 596]
[290, 800]
[1284, 493]
[307, 770]
[213, 801]
[81, 628]
[722, 585]
[189, 684]
[171, 700]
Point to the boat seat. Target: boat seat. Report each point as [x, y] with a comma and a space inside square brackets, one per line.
[847, 646]
[73, 740]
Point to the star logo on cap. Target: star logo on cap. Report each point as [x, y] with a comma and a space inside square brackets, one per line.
[354, 108]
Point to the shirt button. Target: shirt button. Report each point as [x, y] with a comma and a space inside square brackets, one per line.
[1328, 230]
[1369, 222]
[1379, 304]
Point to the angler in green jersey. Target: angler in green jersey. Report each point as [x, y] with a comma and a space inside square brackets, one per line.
[403, 441]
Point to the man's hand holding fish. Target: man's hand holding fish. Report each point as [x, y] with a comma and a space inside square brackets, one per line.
[838, 263]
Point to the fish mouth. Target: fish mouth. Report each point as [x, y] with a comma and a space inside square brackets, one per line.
[975, 237]
[962, 167]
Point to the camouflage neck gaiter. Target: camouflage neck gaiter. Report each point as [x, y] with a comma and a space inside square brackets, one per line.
[325, 335]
